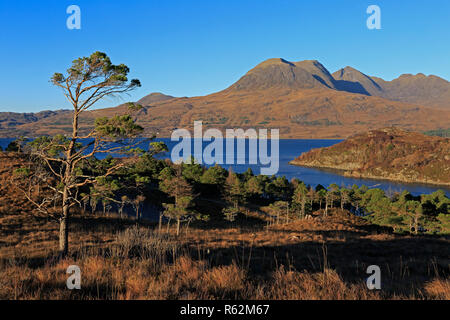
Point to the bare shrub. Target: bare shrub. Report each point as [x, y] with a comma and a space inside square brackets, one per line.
[147, 244]
[225, 282]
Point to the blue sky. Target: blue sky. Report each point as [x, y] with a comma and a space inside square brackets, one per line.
[190, 48]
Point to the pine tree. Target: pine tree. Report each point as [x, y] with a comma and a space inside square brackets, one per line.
[300, 197]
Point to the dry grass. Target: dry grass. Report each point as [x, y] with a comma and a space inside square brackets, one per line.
[438, 289]
[184, 279]
[328, 285]
[322, 258]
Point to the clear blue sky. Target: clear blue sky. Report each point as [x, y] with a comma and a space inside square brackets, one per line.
[189, 48]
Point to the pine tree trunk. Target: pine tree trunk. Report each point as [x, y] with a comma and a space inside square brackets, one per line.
[64, 220]
[303, 207]
[63, 236]
[64, 226]
[187, 226]
[178, 227]
[416, 224]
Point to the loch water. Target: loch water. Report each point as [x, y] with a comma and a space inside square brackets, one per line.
[289, 149]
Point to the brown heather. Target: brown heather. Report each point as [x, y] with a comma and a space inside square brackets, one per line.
[320, 258]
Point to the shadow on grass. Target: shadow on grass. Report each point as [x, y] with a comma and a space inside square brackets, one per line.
[406, 263]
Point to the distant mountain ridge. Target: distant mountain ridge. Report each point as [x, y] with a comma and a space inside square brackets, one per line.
[302, 99]
[352, 80]
[277, 72]
[14, 119]
[418, 89]
[152, 98]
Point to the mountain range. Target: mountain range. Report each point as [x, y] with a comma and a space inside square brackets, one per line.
[303, 99]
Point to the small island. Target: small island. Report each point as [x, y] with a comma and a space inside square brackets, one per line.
[389, 153]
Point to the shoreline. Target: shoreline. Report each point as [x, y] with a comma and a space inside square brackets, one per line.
[349, 174]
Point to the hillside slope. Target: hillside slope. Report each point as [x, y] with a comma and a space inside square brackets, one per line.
[302, 99]
[388, 153]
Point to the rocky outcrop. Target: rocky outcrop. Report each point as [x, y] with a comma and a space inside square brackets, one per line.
[389, 153]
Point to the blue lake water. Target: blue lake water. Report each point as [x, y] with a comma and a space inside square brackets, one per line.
[289, 149]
